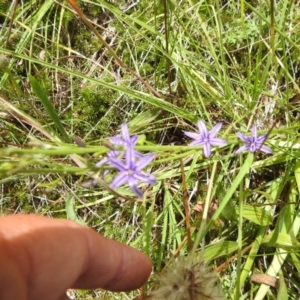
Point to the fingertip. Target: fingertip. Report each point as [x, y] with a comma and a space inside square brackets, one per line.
[134, 271]
[113, 266]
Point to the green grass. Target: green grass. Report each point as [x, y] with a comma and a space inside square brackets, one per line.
[159, 70]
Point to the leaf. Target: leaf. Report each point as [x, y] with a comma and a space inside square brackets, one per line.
[256, 214]
[282, 291]
[71, 213]
[242, 173]
[297, 174]
[219, 249]
[144, 119]
[284, 240]
[41, 94]
[229, 211]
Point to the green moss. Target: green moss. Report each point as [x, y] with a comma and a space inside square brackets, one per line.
[91, 106]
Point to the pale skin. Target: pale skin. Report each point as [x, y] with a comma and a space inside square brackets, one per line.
[40, 258]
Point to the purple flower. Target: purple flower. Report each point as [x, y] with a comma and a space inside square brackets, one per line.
[131, 170]
[128, 161]
[124, 141]
[206, 138]
[253, 142]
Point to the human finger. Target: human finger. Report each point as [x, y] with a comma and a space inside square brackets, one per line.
[44, 257]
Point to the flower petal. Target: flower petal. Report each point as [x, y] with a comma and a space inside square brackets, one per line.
[151, 179]
[243, 137]
[196, 143]
[138, 154]
[119, 180]
[148, 178]
[134, 139]
[117, 164]
[217, 142]
[241, 149]
[143, 162]
[254, 131]
[206, 149]
[202, 128]
[102, 162]
[215, 129]
[266, 149]
[130, 156]
[261, 138]
[133, 185]
[192, 135]
[113, 153]
[117, 140]
[125, 133]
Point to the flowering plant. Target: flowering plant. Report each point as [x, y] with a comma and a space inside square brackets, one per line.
[130, 163]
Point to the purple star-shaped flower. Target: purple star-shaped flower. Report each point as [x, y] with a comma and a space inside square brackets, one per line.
[130, 167]
[124, 141]
[206, 138]
[131, 170]
[253, 142]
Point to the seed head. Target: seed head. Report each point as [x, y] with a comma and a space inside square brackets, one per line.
[186, 280]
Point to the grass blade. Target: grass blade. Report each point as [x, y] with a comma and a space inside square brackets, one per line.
[40, 93]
